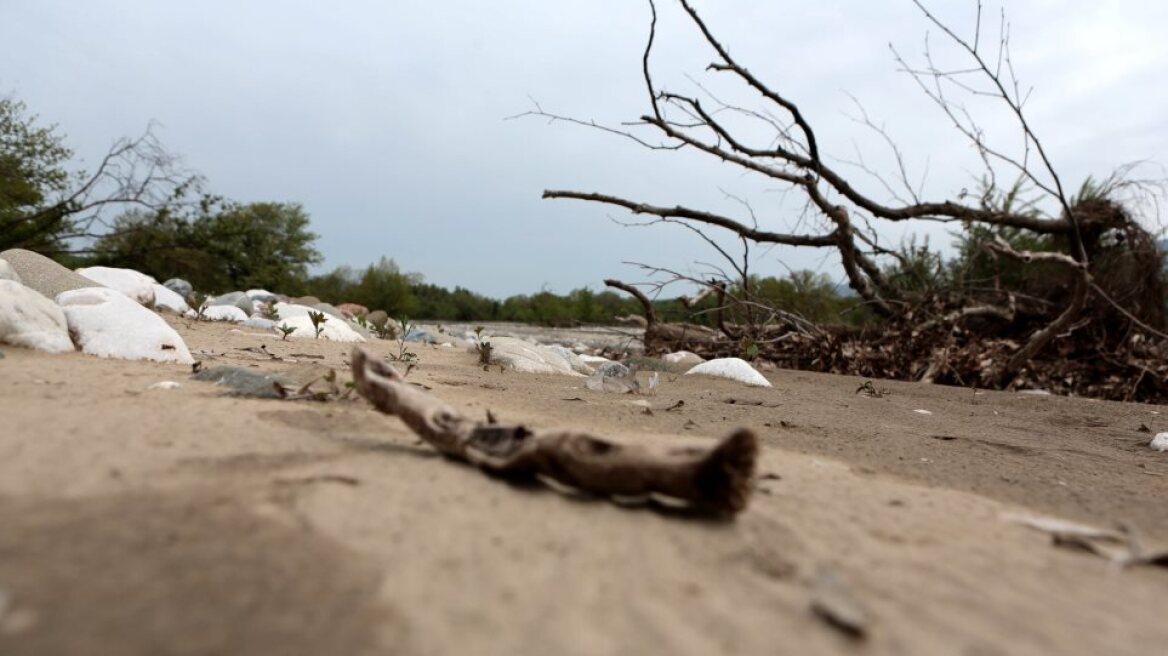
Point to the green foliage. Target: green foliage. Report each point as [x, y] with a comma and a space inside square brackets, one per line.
[32, 177]
[318, 320]
[219, 246]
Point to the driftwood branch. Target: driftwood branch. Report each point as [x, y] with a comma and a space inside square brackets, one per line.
[714, 479]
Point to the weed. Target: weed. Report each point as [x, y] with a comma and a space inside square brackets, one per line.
[318, 320]
[285, 330]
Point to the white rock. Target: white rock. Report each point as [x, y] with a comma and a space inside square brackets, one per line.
[30, 320]
[593, 359]
[224, 313]
[1160, 442]
[166, 298]
[533, 358]
[333, 329]
[683, 357]
[732, 368]
[134, 284]
[7, 272]
[289, 310]
[165, 385]
[106, 323]
[922, 411]
[261, 295]
[574, 361]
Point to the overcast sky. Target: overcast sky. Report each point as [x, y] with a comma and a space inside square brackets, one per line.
[386, 119]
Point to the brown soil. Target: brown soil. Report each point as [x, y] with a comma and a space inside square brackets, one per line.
[147, 521]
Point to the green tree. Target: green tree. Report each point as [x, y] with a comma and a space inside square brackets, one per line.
[218, 247]
[45, 207]
[32, 173]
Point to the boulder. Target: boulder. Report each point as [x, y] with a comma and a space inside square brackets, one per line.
[683, 358]
[41, 274]
[167, 299]
[235, 299]
[333, 329]
[134, 284]
[330, 310]
[106, 323]
[261, 323]
[224, 313]
[732, 368]
[309, 301]
[30, 320]
[377, 318]
[262, 296]
[289, 310]
[353, 310]
[180, 287]
[531, 358]
[7, 272]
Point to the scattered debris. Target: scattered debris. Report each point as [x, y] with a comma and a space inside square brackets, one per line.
[165, 385]
[676, 406]
[1143, 429]
[309, 382]
[1123, 547]
[920, 411]
[870, 390]
[836, 605]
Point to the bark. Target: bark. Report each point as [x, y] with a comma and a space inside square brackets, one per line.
[715, 480]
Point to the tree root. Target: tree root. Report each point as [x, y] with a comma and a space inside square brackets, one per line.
[714, 480]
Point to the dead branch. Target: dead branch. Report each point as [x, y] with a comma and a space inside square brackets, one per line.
[708, 479]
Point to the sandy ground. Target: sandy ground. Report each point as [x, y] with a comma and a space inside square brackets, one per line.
[185, 521]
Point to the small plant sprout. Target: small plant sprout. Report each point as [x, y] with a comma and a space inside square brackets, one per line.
[483, 347]
[318, 320]
[408, 358]
[285, 330]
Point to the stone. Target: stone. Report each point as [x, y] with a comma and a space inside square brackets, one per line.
[261, 323]
[235, 299]
[330, 310]
[614, 377]
[377, 318]
[134, 284]
[180, 287]
[166, 298]
[7, 272]
[683, 358]
[1160, 442]
[353, 310]
[529, 358]
[334, 330]
[262, 296]
[732, 368]
[108, 324]
[289, 310]
[41, 274]
[310, 301]
[224, 313]
[30, 320]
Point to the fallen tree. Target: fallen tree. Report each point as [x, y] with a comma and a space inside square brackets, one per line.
[1062, 291]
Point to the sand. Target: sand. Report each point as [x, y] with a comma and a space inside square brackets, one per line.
[184, 521]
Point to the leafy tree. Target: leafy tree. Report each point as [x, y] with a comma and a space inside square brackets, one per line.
[45, 207]
[32, 172]
[221, 246]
